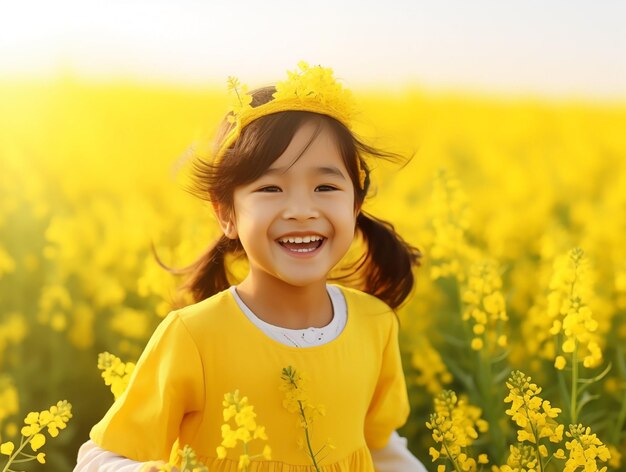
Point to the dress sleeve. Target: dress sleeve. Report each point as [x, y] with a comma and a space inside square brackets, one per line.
[389, 407]
[167, 383]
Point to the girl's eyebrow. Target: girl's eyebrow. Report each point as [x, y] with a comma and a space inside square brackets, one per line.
[323, 170]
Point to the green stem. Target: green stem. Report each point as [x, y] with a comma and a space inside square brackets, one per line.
[488, 402]
[620, 422]
[245, 451]
[456, 466]
[534, 430]
[574, 398]
[308, 439]
[17, 451]
[19, 461]
[238, 97]
[621, 417]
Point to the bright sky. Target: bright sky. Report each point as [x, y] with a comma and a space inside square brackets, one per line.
[549, 47]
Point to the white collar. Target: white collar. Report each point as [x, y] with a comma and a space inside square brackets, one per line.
[306, 337]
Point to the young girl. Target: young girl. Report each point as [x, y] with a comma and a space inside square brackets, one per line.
[287, 182]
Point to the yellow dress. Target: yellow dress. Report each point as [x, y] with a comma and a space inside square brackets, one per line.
[200, 352]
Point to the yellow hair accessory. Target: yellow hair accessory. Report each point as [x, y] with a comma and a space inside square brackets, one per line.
[311, 89]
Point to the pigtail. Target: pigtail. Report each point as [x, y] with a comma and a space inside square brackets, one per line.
[209, 274]
[386, 270]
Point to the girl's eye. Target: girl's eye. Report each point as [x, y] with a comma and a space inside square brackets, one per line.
[325, 188]
[269, 188]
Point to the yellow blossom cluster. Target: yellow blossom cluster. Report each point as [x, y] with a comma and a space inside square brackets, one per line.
[13, 329]
[568, 307]
[9, 399]
[188, 463]
[615, 461]
[585, 451]
[7, 264]
[115, 372]
[450, 221]
[240, 410]
[454, 426]
[241, 100]
[484, 306]
[431, 370]
[296, 400]
[522, 458]
[54, 419]
[317, 83]
[534, 416]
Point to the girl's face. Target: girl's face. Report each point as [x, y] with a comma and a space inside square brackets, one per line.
[297, 220]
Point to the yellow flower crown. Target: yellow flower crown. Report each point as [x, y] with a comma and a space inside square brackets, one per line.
[309, 89]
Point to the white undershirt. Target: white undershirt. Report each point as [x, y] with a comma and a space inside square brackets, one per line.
[306, 337]
[394, 457]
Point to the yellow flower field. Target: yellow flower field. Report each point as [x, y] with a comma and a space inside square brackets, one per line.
[514, 341]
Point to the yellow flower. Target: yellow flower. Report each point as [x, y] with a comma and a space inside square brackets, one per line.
[521, 458]
[560, 362]
[233, 83]
[450, 221]
[35, 423]
[241, 99]
[484, 307]
[432, 371]
[189, 461]
[477, 344]
[7, 264]
[115, 372]
[616, 457]
[585, 450]
[267, 452]
[453, 426]
[37, 441]
[568, 304]
[238, 408]
[297, 401]
[530, 412]
[7, 448]
[244, 462]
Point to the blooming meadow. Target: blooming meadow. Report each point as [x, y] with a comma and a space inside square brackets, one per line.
[514, 342]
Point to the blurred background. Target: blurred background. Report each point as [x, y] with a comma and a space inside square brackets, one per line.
[514, 114]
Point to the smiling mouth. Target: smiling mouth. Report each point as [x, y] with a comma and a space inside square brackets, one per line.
[304, 244]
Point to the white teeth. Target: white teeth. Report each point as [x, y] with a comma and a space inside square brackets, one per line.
[299, 240]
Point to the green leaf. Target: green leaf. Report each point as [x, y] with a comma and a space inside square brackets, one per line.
[502, 375]
[588, 382]
[466, 379]
[586, 398]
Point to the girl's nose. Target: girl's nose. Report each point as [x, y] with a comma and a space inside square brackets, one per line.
[300, 207]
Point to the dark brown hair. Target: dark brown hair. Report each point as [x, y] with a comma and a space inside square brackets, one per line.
[385, 268]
